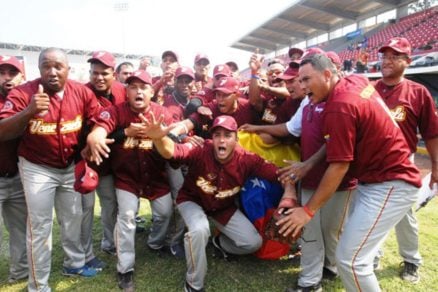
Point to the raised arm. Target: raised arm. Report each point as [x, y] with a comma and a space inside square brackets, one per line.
[13, 126]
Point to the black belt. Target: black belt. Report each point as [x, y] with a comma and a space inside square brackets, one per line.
[8, 174]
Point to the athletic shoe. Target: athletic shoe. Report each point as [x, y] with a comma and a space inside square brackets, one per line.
[410, 273]
[328, 274]
[13, 280]
[188, 288]
[126, 281]
[84, 271]
[139, 220]
[314, 288]
[219, 252]
[111, 251]
[177, 250]
[96, 264]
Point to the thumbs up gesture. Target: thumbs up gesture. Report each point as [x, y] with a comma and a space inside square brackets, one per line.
[40, 102]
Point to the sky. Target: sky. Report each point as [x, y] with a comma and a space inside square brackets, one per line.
[146, 27]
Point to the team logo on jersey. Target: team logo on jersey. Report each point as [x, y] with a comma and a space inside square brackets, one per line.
[367, 91]
[208, 188]
[211, 176]
[398, 113]
[142, 144]
[319, 109]
[39, 127]
[7, 106]
[105, 115]
[269, 116]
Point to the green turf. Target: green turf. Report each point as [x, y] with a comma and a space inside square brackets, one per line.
[154, 273]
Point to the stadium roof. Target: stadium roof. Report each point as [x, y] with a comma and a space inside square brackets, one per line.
[305, 19]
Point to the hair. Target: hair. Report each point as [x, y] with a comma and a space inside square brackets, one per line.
[320, 62]
[119, 67]
[275, 61]
[50, 50]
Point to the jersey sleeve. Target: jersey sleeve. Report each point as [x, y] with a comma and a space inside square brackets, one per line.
[16, 101]
[107, 119]
[339, 132]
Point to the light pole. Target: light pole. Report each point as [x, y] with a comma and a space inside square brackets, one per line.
[122, 7]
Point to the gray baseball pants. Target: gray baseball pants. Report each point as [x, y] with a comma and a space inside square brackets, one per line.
[376, 209]
[13, 211]
[46, 188]
[239, 236]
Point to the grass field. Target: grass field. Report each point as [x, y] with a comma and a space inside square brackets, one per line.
[165, 273]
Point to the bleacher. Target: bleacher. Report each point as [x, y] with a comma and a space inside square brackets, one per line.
[420, 28]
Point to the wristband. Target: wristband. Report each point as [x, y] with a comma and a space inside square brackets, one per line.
[255, 77]
[308, 211]
[289, 201]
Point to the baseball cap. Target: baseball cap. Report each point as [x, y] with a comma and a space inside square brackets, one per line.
[289, 74]
[221, 69]
[200, 57]
[104, 58]
[184, 71]
[295, 64]
[13, 61]
[295, 51]
[232, 64]
[334, 57]
[171, 53]
[86, 179]
[312, 51]
[226, 85]
[141, 75]
[398, 44]
[226, 122]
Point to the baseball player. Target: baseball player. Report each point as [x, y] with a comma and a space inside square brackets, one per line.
[320, 237]
[108, 92]
[164, 84]
[356, 117]
[13, 208]
[217, 171]
[138, 169]
[123, 71]
[49, 113]
[412, 107]
[226, 102]
[201, 67]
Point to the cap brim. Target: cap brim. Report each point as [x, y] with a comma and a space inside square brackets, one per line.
[221, 126]
[131, 78]
[224, 90]
[100, 61]
[391, 48]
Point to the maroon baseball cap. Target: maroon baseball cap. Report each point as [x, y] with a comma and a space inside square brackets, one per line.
[171, 53]
[232, 64]
[141, 75]
[226, 122]
[334, 57]
[226, 85]
[398, 44]
[295, 64]
[184, 71]
[312, 51]
[200, 57]
[221, 70]
[103, 57]
[295, 51]
[86, 179]
[13, 61]
[289, 74]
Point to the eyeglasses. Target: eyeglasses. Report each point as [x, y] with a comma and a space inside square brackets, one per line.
[393, 57]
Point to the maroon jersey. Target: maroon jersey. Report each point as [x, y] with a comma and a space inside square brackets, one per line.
[51, 138]
[412, 107]
[312, 140]
[8, 152]
[174, 107]
[116, 96]
[359, 129]
[137, 167]
[278, 110]
[243, 114]
[214, 186]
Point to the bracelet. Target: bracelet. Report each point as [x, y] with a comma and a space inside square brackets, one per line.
[308, 211]
[255, 77]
